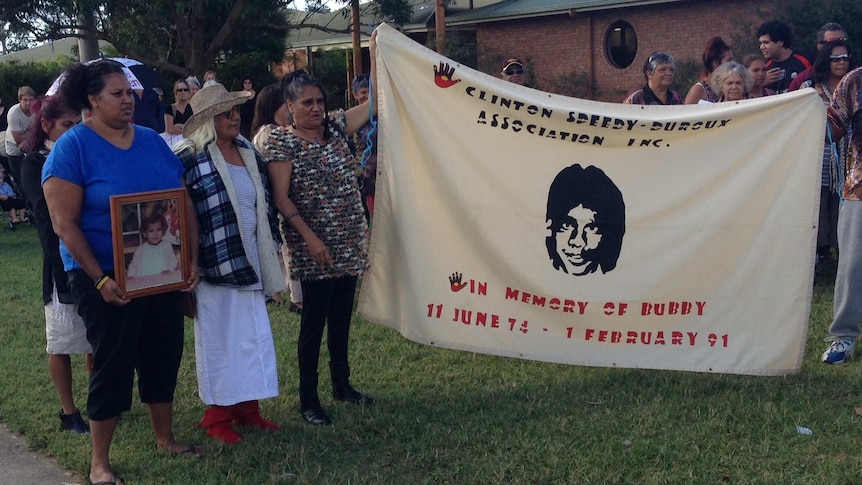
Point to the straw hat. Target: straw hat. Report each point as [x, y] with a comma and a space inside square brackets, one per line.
[210, 101]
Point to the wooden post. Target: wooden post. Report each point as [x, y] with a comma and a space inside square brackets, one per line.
[440, 24]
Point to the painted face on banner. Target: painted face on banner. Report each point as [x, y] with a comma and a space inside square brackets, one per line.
[577, 238]
[585, 221]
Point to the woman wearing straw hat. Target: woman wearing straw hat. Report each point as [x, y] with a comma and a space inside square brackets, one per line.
[238, 240]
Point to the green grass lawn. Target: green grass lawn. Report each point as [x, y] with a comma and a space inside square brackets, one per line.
[453, 417]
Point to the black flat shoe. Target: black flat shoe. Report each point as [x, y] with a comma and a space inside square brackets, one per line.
[316, 417]
[73, 423]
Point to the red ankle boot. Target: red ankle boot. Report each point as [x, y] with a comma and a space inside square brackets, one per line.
[248, 414]
[217, 422]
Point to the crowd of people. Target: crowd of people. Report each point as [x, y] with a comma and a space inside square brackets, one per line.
[280, 193]
[247, 203]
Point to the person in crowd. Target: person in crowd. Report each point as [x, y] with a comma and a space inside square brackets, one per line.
[365, 137]
[20, 118]
[833, 61]
[4, 162]
[716, 53]
[10, 202]
[147, 109]
[659, 71]
[316, 190]
[194, 85]
[826, 33]
[783, 64]
[210, 76]
[238, 238]
[514, 71]
[757, 68]
[103, 156]
[64, 328]
[731, 81]
[247, 109]
[270, 111]
[843, 118]
[160, 93]
[177, 113]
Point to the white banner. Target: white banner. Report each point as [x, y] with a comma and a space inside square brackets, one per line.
[514, 222]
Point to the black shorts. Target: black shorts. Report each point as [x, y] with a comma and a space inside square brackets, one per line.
[145, 335]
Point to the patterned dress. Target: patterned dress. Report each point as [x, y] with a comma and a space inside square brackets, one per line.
[324, 187]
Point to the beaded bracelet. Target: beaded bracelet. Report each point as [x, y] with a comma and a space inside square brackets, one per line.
[101, 281]
[291, 216]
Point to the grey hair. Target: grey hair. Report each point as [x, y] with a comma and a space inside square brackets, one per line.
[723, 71]
[656, 59]
[821, 32]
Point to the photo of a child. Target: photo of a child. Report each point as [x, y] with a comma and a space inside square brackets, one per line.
[156, 255]
[152, 255]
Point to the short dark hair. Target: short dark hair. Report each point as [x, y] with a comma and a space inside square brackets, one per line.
[154, 219]
[85, 80]
[833, 26]
[777, 31]
[592, 189]
[656, 59]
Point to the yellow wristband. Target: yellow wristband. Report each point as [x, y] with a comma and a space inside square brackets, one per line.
[101, 281]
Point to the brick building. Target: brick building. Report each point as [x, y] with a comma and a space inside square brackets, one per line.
[592, 49]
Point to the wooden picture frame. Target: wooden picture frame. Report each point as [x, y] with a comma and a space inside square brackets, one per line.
[143, 261]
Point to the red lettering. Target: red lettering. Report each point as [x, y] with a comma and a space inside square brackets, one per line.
[554, 304]
[588, 333]
[603, 335]
[676, 338]
[511, 293]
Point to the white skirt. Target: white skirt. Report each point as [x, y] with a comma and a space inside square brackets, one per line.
[64, 329]
[234, 349]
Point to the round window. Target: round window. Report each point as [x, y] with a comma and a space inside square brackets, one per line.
[621, 44]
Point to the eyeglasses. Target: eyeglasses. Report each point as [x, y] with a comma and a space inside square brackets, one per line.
[229, 113]
[840, 58]
[182, 90]
[514, 70]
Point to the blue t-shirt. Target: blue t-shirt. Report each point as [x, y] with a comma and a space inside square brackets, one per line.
[87, 160]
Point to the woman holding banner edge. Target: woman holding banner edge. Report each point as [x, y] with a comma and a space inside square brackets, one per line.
[316, 190]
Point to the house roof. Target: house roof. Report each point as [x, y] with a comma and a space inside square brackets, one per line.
[49, 51]
[518, 9]
[329, 37]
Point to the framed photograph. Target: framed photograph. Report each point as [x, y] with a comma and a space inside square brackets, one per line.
[151, 249]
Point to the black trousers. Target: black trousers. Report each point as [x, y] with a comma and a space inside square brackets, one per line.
[145, 335]
[325, 302]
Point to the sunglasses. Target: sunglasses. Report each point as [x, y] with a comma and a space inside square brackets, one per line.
[839, 58]
[842, 39]
[514, 70]
[229, 113]
[182, 90]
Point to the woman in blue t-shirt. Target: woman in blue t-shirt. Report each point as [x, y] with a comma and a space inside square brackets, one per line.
[104, 156]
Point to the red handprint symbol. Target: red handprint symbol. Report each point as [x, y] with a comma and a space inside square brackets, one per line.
[455, 282]
[443, 75]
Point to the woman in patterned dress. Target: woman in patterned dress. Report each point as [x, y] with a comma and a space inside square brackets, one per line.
[316, 190]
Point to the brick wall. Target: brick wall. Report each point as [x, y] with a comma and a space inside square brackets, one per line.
[563, 45]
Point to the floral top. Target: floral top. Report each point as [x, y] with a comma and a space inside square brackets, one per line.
[324, 187]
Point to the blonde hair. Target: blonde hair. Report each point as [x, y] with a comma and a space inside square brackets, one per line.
[197, 140]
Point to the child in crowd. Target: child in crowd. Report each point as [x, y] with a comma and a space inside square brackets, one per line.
[9, 201]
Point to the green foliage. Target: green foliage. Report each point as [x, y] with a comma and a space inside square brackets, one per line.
[575, 85]
[38, 75]
[330, 68]
[460, 47]
[451, 417]
[687, 73]
[805, 17]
